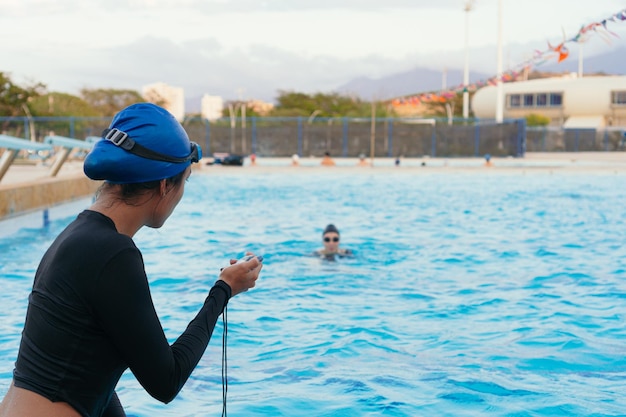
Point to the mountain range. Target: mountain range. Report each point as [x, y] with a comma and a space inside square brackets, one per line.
[405, 83]
[420, 79]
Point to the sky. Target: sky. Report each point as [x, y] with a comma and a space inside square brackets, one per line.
[253, 49]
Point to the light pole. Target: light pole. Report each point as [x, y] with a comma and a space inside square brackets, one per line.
[373, 133]
[499, 89]
[387, 138]
[312, 116]
[233, 123]
[307, 128]
[580, 59]
[31, 124]
[243, 128]
[468, 7]
[328, 133]
[444, 85]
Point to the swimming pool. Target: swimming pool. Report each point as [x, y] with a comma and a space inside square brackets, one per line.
[491, 294]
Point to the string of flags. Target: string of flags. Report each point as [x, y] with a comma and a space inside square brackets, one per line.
[560, 52]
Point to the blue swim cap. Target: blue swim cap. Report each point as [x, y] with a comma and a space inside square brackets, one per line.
[143, 143]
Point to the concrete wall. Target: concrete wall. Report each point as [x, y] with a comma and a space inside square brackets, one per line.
[16, 199]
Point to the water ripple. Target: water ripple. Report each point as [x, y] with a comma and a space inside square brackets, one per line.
[468, 295]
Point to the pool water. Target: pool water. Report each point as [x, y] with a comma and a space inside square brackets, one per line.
[474, 294]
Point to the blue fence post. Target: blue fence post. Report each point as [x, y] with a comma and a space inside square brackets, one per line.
[300, 135]
[253, 134]
[390, 136]
[26, 129]
[46, 218]
[345, 136]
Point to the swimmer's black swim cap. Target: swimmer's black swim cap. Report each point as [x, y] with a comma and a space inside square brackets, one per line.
[144, 143]
[330, 229]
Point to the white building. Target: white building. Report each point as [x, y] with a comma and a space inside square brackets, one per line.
[211, 107]
[168, 97]
[588, 102]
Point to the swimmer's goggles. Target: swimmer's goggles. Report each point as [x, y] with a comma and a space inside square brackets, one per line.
[121, 139]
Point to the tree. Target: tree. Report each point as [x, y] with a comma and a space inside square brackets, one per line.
[14, 99]
[237, 105]
[536, 119]
[60, 105]
[440, 106]
[326, 105]
[107, 102]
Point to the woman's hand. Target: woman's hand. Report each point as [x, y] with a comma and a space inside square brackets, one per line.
[241, 275]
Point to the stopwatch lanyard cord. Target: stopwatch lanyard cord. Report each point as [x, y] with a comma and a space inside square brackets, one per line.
[224, 361]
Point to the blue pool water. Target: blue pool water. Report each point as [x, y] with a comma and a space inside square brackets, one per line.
[474, 294]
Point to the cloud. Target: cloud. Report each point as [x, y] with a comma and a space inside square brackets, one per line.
[205, 67]
[255, 48]
[252, 6]
[48, 7]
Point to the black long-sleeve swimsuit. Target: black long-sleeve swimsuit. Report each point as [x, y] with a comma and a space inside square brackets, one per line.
[90, 317]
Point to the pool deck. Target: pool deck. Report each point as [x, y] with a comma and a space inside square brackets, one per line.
[19, 174]
[29, 187]
[589, 162]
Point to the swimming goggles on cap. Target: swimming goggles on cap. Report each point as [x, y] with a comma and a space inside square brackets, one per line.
[121, 139]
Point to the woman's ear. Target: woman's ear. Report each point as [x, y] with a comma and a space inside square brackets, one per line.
[163, 188]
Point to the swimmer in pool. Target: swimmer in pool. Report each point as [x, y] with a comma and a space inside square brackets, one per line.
[90, 314]
[488, 162]
[327, 161]
[331, 249]
[362, 161]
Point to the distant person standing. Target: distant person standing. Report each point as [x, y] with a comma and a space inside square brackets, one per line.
[488, 162]
[327, 161]
[295, 160]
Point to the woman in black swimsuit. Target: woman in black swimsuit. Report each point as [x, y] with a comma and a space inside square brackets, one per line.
[90, 313]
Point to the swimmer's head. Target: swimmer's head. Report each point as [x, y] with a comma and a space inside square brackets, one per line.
[330, 229]
[143, 143]
[487, 157]
[330, 238]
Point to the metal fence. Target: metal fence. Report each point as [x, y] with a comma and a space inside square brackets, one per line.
[283, 137]
[353, 136]
[406, 137]
[551, 139]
